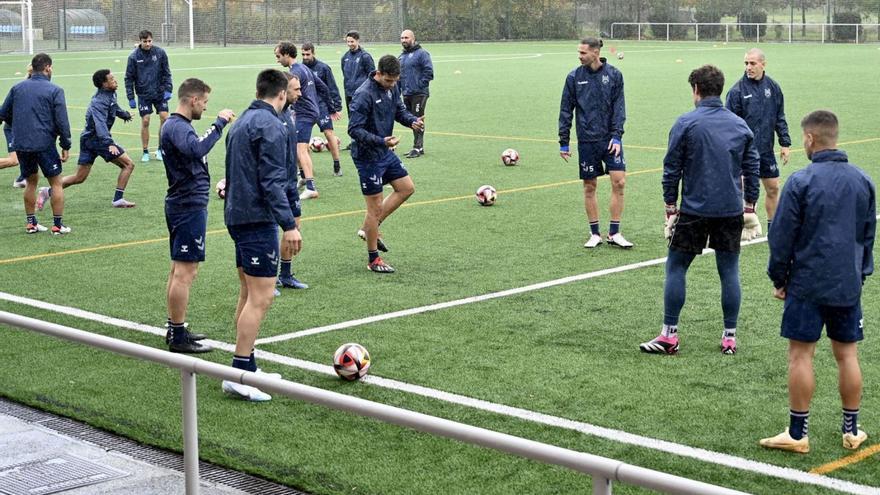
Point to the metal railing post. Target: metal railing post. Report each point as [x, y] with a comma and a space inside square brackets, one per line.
[190, 431]
[601, 486]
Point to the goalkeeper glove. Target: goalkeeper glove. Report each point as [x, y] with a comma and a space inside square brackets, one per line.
[671, 219]
[132, 103]
[167, 95]
[751, 224]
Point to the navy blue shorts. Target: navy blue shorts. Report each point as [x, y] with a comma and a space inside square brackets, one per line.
[256, 248]
[594, 160]
[768, 169]
[146, 106]
[186, 234]
[47, 161]
[88, 154]
[803, 321]
[10, 140]
[304, 130]
[295, 203]
[374, 175]
[325, 123]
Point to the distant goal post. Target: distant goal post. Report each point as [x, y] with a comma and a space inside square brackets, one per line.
[747, 31]
[23, 25]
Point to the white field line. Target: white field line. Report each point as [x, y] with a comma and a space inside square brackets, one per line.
[619, 436]
[473, 299]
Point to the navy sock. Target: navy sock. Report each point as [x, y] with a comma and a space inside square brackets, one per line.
[798, 423]
[118, 195]
[177, 332]
[769, 224]
[146, 151]
[613, 227]
[285, 268]
[310, 184]
[32, 219]
[674, 290]
[594, 227]
[850, 421]
[252, 363]
[731, 293]
[335, 163]
[241, 362]
[20, 178]
[57, 220]
[373, 255]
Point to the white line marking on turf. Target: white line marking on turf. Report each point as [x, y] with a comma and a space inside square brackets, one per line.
[524, 414]
[473, 299]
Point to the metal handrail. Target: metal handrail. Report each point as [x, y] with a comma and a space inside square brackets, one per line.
[602, 469]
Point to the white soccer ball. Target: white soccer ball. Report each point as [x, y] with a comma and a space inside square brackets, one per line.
[619, 55]
[486, 195]
[510, 157]
[351, 361]
[317, 144]
[221, 188]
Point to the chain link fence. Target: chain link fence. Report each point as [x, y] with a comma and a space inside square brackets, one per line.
[107, 24]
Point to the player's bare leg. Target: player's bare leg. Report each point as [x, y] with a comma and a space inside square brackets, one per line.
[304, 159]
[771, 198]
[145, 137]
[259, 293]
[618, 184]
[333, 145]
[591, 207]
[82, 173]
[163, 116]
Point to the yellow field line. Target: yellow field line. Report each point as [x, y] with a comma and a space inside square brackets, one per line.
[847, 461]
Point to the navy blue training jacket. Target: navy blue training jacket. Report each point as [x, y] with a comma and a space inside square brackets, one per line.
[371, 117]
[148, 74]
[38, 113]
[711, 154]
[314, 91]
[100, 116]
[288, 119]
[257, 169]
[325, 74]
[356, 68]
[416, 71]
[598, 101]
[185, 155]
[762, 106]
[822, 239]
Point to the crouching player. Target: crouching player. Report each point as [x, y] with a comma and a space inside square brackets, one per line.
[375, 107]
[256, 205]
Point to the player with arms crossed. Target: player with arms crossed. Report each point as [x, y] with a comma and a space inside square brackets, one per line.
[256, 205]
[821, 252]
[594, 94]
[186, 203]
[374, 109]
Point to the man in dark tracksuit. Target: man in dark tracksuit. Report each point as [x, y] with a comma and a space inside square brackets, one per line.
[712, 156]
[375, 108]
[307, 112]
[594, 94]
[821, 252]
[286, 277]
[759, 101]
[11, 159]
[416, 73]
[38, 113]
[357, 64]
[323, 72]
[256, 205]
[186, 203]
[148, 76]
[96, 141]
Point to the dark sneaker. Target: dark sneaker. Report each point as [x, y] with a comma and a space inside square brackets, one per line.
[337, 170]
[380, 244]
[291, 283]
[660, 345]
[189, 346]
[414, 153]
[379, 266]
[189, 335]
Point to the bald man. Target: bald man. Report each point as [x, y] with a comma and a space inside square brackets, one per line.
[416, 72]
[759, 101]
